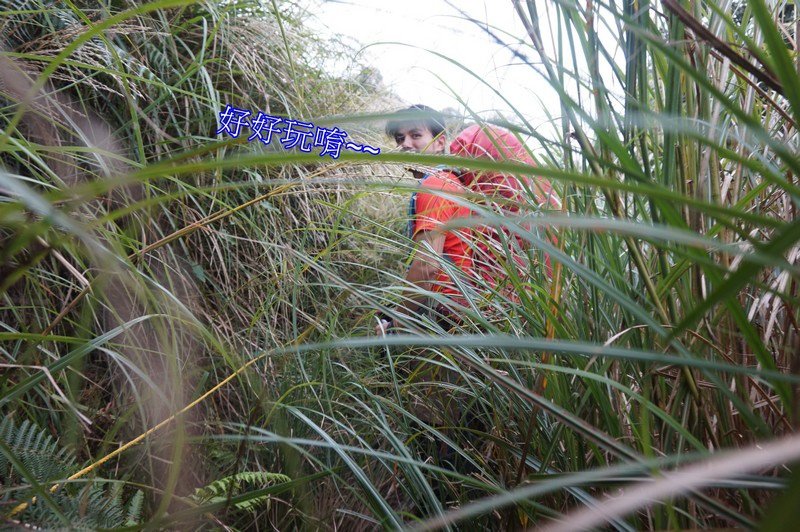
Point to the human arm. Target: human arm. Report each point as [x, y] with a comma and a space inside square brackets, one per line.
[421, 274]
[430, 211]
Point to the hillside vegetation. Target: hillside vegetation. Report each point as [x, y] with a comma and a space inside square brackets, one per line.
[186, 317]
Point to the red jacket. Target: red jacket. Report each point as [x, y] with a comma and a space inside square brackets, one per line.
[505, 193]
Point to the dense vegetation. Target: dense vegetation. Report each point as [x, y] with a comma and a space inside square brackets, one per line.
[186, 318]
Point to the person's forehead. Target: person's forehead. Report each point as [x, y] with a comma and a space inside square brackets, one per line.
[405, 129]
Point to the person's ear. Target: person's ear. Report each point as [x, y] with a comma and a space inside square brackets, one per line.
[439, 144]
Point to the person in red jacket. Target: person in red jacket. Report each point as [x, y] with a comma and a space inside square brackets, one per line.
[497, 248]
[430, 288]
[420, 129]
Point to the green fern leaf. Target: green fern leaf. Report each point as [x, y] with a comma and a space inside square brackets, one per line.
[134, 510]
[224, 488]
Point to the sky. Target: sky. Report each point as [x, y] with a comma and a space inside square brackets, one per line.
[417, 75]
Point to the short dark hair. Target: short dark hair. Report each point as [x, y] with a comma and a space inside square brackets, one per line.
[417, 114]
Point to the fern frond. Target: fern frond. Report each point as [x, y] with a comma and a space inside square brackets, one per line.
[236, 484]
[134, 509]
[42, 458]
[37, 450]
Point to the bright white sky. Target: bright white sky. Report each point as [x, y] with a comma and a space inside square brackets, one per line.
[418, 76]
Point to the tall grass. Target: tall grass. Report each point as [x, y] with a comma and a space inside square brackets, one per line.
[190, 316]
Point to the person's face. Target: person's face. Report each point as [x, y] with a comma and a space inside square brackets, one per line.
[418, 138]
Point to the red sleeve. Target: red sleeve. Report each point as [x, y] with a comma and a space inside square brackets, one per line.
[432, 211]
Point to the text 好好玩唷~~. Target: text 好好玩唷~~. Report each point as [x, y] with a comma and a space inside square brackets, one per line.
[296, 134]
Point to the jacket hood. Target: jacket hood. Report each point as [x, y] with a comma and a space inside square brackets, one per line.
[498, 144]
[490, 142]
